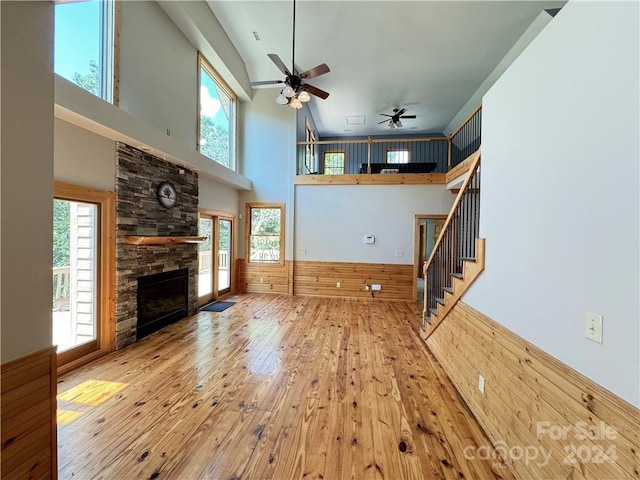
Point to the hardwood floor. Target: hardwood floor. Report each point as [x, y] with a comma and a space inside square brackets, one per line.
[274, 387]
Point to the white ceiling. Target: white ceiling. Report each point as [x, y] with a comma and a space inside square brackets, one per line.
[426, 56]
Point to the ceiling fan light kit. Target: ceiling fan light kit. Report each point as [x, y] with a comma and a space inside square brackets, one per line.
[394, 120]
[304, 96]
[296, 92]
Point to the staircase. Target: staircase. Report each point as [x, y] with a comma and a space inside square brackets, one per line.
[458, 256]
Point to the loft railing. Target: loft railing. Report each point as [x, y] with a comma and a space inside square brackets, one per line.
[456, 243]
[466, 139]
[371, 155]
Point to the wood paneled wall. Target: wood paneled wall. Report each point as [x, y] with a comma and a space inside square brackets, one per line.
[547, 419]
[28, 405]
[321, 278]
[275, 278]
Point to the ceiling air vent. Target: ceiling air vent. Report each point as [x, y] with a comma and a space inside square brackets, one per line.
[355, 120]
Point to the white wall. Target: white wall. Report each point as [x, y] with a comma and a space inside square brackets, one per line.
[26, 177]
[559, 206]
[331, 221]
[83, 158]
[158, 71]
[215, 196]
[267, 149]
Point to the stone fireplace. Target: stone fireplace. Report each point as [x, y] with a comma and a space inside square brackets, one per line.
[138, 213]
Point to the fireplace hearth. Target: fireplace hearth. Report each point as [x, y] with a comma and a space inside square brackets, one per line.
[163, 298]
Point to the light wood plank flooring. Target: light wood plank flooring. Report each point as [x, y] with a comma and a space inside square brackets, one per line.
[275, 387]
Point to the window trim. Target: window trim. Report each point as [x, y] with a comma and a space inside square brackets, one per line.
[204, 64]
[324, 159]
[389, 149]
[247, 230]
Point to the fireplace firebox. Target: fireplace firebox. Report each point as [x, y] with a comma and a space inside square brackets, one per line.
[162, 300]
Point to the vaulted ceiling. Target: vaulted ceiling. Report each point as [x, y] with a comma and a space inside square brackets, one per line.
[426, 56]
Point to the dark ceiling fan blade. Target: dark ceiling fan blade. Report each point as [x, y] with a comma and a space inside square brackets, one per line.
[400, 112]
[315, 71]
[267, 82]
[280, 64]
[315, 91]
[386, 115]
[384, 121]
[408, 116]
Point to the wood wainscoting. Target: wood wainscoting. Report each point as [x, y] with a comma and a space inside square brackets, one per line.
[548, 420]
[322, 278]
[28, 403]
[275, 278]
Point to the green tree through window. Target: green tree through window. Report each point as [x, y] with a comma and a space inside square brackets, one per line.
[265, 235]
[216, 118]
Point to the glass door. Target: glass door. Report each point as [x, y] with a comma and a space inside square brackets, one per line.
[224, 255]
[75, 277]
[205, 260]
[215, 256]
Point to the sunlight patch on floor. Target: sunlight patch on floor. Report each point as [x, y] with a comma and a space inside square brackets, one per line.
[91, 392]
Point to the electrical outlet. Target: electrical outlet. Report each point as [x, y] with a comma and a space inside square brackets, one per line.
[399, 253]
[261, 280]
[376, 287]
[301, 251]
[337, 284]
[593, 327]
[481, 383]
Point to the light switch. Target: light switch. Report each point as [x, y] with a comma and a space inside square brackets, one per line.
[593, 327]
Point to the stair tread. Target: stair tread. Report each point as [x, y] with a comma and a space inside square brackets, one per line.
[448, 290]
[468, 259]
[434, 311]
[457, 275]
[440, 300]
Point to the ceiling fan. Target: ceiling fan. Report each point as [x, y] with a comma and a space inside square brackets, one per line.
[394, 120]
[296, 91]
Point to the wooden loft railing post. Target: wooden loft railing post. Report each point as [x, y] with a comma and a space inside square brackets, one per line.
[449, 154]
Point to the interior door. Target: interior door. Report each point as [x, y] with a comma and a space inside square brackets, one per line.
[427, 230]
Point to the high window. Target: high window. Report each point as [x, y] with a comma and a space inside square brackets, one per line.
[216, 120]
[333, 162]
[398, 156]
[85, 45]
[265, 233]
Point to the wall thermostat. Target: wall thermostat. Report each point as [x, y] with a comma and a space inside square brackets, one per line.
[369, 239]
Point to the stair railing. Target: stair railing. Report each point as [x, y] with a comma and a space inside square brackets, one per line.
[465, 140]
[455, 244]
